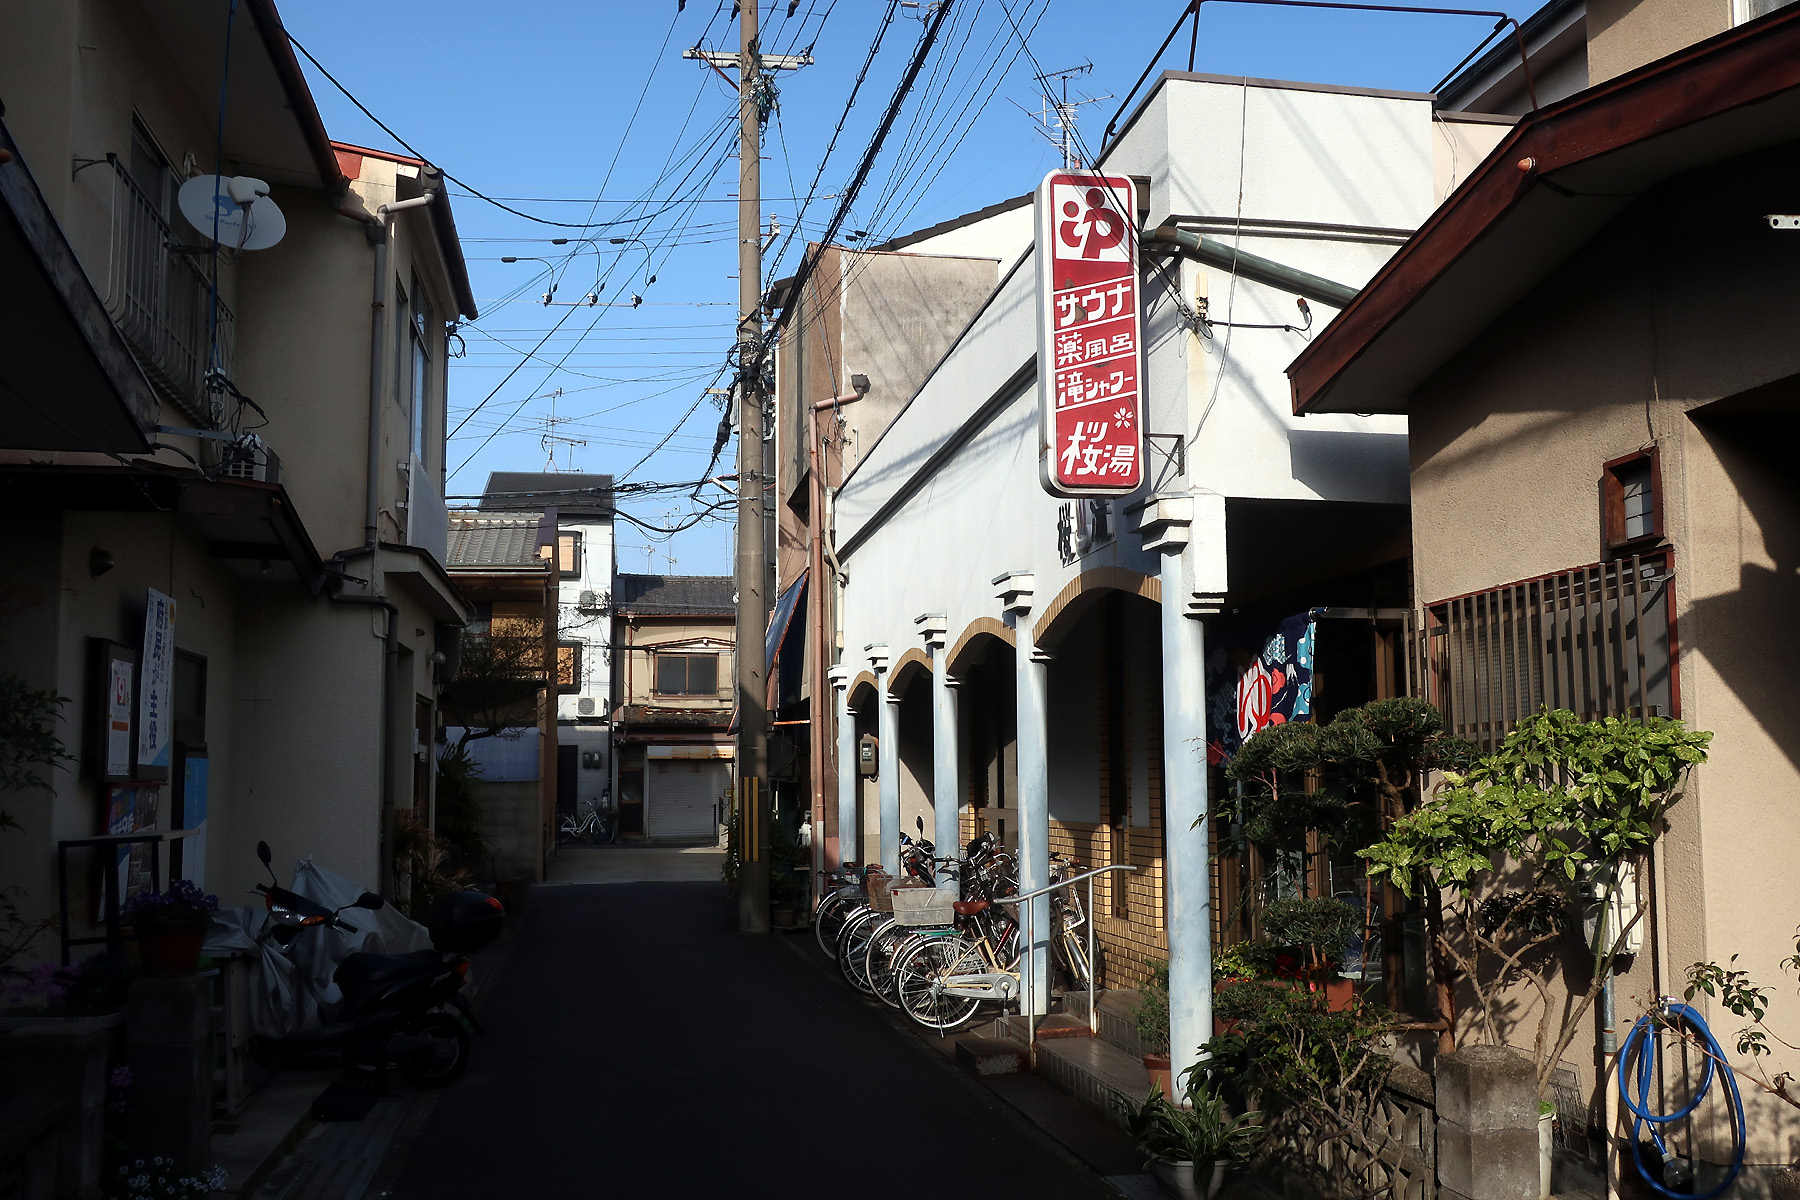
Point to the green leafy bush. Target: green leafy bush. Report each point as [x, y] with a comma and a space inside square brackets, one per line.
[1201, 1130]
[1152, 1011]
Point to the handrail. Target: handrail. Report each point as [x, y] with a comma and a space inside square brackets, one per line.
[1065, 883]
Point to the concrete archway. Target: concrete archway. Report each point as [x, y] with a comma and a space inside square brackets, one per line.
[1082, 593]
[913, 662]
[973, 643]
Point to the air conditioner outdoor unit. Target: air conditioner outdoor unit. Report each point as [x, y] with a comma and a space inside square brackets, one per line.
[251, 458]
[591, 601]
[587, 706]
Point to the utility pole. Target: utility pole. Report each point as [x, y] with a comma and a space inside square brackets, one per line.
[755, 94]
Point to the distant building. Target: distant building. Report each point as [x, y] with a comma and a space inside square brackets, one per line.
[672, 680]
[497, 705]
[580, 508]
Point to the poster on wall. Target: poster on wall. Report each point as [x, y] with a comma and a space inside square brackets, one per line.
[1261, 675]
[131, 808]
[1090, 335]
[156, 688]
[120, 677]
[192, 849]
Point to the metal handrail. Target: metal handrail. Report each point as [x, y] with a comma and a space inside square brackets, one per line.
[1028, 992]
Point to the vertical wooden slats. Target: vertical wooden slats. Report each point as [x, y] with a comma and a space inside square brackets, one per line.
[1637, 616]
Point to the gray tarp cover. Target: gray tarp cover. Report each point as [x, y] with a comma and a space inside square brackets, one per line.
[293, 991]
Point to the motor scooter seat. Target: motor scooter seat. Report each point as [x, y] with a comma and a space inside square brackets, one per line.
[360, 972]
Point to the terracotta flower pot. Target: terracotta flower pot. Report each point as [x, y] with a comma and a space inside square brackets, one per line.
[1161, 1072]
[171, 945]
[1339, 994]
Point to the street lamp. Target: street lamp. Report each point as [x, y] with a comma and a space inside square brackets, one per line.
[549, 266]
[637, 299]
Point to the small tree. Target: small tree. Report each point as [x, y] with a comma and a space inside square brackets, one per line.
[29, 750]
[1522, 837]
[1350, 779]
[500, 672]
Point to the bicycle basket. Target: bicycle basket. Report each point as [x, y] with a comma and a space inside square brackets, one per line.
[924, 906]
[879, 885]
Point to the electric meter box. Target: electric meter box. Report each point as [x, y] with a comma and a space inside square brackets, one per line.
[866, 756]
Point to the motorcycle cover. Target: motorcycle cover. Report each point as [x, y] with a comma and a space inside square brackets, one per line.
[293, 990]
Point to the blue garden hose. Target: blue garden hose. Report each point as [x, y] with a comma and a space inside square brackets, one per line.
[1637, 1072]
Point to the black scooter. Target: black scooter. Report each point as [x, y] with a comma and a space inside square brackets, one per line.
[405, 1011]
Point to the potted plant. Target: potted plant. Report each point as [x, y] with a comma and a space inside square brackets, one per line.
[1152, 1018]
[1191, 1146]
[1312, 934]
[171, 926]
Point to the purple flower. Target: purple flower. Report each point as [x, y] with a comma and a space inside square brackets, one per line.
[120, 1078]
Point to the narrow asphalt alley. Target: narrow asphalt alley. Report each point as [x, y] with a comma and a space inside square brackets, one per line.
[640, 1046]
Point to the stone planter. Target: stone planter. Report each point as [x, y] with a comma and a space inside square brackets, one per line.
[62, 1061]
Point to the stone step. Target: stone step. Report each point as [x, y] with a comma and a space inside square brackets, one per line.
[991, 1055]
[1095, 1072]
[1118, 1020]
[1056, 1025]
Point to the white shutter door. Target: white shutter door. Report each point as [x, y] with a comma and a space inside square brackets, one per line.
[682, 797]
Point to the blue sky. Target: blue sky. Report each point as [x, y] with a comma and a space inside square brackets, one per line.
[588, 113]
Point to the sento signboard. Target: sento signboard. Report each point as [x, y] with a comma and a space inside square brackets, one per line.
[1090, 344]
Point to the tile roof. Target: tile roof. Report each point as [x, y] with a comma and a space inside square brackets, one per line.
[674, 594]
[485, 540]
[534, 491]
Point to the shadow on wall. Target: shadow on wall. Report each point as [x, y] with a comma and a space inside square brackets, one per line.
[1746, 634]
[1346, 464]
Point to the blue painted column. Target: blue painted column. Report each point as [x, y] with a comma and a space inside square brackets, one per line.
[946, 788]
[887, 759]
[849, 828]
[1167, 525]
[1030, 665]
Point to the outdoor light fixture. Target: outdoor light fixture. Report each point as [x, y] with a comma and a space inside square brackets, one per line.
[860, 383]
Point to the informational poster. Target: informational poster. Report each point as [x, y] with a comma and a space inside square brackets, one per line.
[1090, 335]
[193, 816]
[156, 688]
[118, 718]
[131, 808]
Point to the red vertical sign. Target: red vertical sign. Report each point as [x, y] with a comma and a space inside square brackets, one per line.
[1090, 343]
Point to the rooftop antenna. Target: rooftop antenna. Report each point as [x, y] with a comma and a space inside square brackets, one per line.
[1055, 119]
[551, 439]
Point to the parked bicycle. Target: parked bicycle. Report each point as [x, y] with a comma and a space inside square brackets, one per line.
[595, 824]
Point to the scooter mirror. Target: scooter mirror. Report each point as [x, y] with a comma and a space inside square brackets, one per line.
[263, 853]
[370, 901]
[919, 824]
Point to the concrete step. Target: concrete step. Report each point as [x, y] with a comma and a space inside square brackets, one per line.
[990, 1055]
[1056, 1025]
[1118, 1022]
[1095, 1072]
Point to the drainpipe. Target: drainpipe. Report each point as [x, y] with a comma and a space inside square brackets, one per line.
[1252, 266]
[376, 230]
[824, 591]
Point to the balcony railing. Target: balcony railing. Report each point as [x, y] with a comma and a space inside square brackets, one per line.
[160, 300]
[1595, 640]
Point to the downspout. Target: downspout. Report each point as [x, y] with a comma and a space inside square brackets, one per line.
[375, 229]
[823, 592]
[1252, 266]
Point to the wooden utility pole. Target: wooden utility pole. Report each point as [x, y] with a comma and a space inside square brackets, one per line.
[752, 805]
[752, 612]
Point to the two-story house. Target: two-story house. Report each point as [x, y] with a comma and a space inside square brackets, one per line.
[579, 509]
[222, 456]
[674, 638]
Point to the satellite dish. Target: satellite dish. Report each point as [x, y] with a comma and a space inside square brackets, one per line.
[246, 219]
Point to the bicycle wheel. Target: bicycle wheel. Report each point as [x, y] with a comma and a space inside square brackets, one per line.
[1072, 957]
[853, 947]
[829, 920]
[919, 976]
[608, 832]
[885, 945]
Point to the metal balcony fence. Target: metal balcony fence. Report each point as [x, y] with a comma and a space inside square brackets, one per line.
[159, 297]
[1596, 640]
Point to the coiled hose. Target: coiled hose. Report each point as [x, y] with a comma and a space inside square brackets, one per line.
[1637, 1072]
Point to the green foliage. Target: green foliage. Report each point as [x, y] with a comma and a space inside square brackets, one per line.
[1286, 1047]
[1152, 1011]
[786, 857]
[1560, 793]
[1243, 960]
[459, 814]
[28, 742]
[1317, 925]
[1367, 760]
[1737, 994]
[1202, 1132]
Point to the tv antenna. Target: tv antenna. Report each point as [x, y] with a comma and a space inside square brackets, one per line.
[552, 440]
[1055, 119]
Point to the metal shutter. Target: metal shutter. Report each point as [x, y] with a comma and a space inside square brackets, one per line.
[682, 797]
